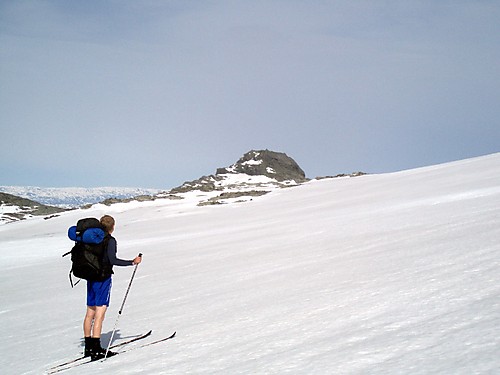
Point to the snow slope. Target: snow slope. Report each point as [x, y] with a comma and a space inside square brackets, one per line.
[380, 274]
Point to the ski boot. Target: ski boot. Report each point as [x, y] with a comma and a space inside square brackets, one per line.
[97, 352]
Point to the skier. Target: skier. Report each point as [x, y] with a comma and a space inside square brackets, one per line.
[98, 294]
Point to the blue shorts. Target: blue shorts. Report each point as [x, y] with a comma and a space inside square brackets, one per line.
[98, 292]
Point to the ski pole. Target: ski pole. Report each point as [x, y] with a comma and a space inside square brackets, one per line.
[121, 308]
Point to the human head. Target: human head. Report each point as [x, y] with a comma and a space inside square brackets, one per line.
[108, 223]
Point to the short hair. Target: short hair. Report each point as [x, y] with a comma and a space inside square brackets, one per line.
[108, 223]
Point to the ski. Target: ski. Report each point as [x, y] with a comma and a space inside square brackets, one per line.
[148, 344]
[72, 364]
[58, 367]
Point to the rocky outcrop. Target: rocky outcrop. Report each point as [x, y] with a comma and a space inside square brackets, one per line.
[353, 174]
[276, 165]
[277, 168]
[236, 196]
[14, 208]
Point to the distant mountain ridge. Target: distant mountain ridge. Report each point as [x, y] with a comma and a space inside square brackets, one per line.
[70, 197]
[23, 202]
[256, 173]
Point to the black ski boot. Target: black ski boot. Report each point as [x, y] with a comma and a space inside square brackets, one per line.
[88, 347]
[97, 352]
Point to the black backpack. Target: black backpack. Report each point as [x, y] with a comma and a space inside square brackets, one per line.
[88, 254]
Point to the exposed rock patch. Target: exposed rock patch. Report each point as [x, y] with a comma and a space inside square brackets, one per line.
[14, 208]
[224, 197]
[353, 174]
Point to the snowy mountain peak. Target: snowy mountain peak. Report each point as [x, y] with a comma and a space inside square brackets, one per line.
[275, 165]
[255, 173]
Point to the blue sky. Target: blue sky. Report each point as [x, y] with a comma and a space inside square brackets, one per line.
[154, 93]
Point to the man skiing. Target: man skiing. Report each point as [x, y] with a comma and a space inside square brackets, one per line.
[98, 295]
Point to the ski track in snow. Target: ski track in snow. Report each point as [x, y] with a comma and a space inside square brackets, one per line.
[381, 274]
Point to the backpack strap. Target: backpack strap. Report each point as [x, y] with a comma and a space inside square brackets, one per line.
[71, 280]
[70, 271]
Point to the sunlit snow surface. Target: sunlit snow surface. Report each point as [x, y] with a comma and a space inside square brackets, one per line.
[380, 274]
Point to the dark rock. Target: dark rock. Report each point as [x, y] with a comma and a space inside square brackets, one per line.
[276, 165]
[26, 207]
[353, 174]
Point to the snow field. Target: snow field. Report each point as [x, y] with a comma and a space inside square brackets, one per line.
[380, 274]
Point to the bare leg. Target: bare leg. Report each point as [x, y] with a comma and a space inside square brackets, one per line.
[100, 312]
[87, 322]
